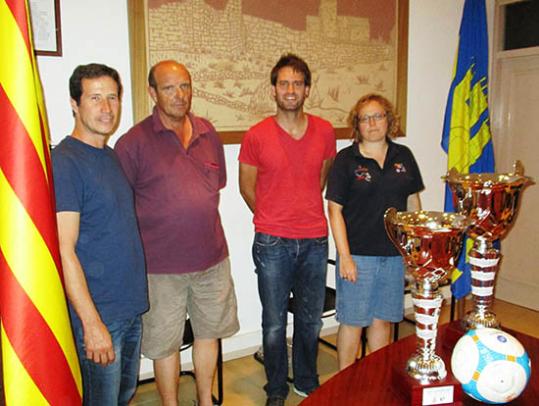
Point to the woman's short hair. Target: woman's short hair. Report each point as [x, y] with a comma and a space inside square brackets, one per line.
[393, 126]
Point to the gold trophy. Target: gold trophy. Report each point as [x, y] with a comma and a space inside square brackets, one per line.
[429, 243]
[490, 201]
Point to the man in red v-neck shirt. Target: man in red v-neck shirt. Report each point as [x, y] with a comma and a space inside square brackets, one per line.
[284, 162]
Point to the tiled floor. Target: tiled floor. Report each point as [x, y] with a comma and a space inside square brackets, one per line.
[244, 377]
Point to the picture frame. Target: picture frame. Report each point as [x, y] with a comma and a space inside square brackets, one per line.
[138, 33]
[46, 27]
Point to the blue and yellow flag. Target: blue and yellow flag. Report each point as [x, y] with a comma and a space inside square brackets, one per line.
[466, 136]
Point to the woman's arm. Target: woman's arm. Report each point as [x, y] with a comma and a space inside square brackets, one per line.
[413, 203]
[347, 266]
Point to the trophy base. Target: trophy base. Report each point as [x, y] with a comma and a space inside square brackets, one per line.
[426, 370]
[474, 320]
[416, 393]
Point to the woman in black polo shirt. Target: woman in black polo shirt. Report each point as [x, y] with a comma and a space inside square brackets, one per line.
[368, 177]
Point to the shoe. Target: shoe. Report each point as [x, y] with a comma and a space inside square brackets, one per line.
[301, 393]
[275, 401]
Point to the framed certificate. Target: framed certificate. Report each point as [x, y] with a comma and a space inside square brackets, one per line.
[47, 33]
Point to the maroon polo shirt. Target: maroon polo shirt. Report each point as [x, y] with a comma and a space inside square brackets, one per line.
[176, 194]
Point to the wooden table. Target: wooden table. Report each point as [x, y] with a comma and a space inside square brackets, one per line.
[368, 381]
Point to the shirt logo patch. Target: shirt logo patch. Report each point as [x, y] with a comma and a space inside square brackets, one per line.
[362, 174]
[399, 167]
[211, 165]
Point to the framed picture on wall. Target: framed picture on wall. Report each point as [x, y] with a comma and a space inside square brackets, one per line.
[46, 27]
[353, 47]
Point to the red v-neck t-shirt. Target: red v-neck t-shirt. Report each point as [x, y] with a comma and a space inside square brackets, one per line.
[288, 197]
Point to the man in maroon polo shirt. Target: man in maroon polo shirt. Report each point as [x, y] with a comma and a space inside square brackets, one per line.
[175, 164]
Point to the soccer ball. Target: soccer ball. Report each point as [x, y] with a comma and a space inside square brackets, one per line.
[491, 365]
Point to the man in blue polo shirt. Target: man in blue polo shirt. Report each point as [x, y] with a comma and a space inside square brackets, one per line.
[100, 247]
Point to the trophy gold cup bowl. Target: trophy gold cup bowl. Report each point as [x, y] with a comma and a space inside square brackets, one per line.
[490, 201]
[429, 243]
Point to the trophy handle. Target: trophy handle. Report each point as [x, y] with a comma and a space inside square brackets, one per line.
[452, 175]
[518, 168]
[452, 178]
[390, 219]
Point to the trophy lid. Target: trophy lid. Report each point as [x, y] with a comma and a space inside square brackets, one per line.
[432, 221]
[489, 180]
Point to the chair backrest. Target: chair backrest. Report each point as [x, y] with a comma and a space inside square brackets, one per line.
[329, 301]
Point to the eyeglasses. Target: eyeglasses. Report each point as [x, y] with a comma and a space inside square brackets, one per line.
[376, 117]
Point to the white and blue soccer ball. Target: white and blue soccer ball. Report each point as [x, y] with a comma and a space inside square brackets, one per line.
[492, 366]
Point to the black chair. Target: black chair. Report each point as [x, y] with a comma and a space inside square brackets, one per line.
[188, 340]
[329, 307]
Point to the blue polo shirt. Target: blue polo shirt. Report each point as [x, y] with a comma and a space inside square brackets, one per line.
[90, 181]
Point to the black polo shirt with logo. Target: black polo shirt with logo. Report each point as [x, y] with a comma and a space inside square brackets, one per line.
[366, 191]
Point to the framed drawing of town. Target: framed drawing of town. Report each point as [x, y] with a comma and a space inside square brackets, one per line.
[353, 47]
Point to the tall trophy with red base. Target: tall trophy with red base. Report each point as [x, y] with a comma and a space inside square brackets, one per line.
[429, 242]
[490, 201]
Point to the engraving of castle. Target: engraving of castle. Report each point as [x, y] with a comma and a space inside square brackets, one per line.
[230, 55]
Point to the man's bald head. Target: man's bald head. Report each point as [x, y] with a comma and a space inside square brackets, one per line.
[165, 65]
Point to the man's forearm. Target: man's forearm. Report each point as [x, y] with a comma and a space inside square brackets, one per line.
[77, 289]
[247, 180]
[249, 198]
[326, 166]
[97, 339]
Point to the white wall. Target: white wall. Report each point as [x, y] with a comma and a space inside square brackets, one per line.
[433, 35]
[96, 31]
[92, 31]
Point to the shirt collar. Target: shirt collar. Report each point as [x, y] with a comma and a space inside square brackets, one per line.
[391, 150]
[85, 146]
[200, 127]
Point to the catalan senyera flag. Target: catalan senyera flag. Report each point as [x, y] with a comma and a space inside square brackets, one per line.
[39, 360]
[466, 135]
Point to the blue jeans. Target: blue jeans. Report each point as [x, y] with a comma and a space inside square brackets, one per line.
[114, 384]
[299, 266]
